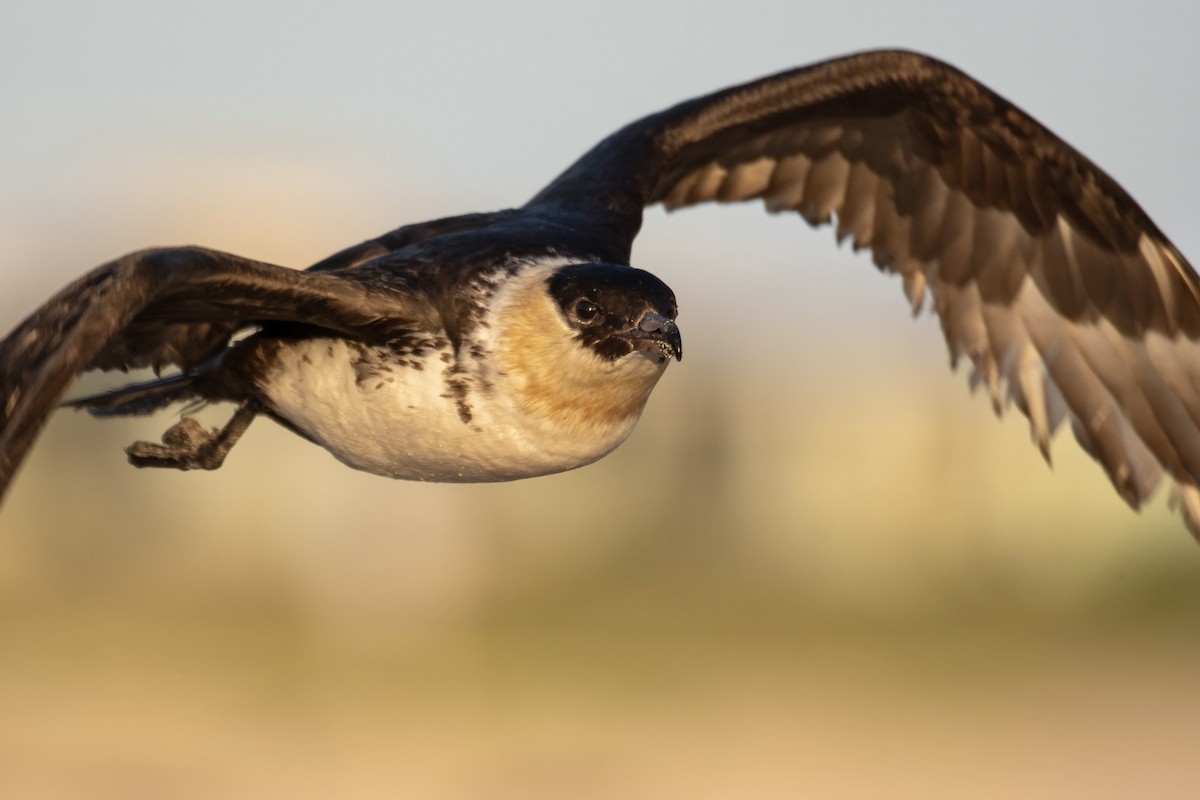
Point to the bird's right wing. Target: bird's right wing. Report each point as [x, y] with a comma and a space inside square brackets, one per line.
[1043, 271]
[171, 306]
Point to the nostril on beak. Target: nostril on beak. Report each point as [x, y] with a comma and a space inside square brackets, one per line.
[653, 322]
[656, 322]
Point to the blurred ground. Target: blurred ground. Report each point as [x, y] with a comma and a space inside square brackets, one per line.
[602, 706]
[771, 620]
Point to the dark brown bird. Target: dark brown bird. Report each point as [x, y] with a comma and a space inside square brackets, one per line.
[516, 343]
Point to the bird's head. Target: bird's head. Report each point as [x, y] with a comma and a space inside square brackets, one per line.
[618, 311]
[585, 344]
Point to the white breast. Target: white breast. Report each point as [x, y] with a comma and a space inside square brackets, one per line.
[525, 408]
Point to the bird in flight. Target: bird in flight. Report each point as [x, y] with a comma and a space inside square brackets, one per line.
[504, 345]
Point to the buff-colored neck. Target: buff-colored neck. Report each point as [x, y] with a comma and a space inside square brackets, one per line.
[555, 377]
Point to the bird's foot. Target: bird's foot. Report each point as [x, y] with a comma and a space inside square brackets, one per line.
[185, 445]
[189, 445]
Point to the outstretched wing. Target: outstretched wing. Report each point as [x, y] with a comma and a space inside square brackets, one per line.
[1065, 296]
[171, 306]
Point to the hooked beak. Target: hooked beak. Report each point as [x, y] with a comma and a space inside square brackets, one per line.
[656, 335]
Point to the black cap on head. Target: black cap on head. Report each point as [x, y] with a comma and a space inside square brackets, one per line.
[607, 304]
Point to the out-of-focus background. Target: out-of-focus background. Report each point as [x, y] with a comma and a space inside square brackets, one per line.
[818, 568]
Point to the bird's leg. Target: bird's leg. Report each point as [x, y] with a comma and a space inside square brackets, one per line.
[187, 445]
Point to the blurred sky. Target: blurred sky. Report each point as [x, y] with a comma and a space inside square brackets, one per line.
[830, 464]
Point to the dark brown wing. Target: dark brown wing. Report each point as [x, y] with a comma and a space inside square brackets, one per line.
[1063, 293]
[171, 306]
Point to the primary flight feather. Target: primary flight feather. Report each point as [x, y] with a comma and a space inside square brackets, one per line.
[504, 345]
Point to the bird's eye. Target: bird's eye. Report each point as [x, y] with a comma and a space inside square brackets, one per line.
[586, 312]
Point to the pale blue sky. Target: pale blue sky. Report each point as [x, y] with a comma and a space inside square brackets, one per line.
[426, 109]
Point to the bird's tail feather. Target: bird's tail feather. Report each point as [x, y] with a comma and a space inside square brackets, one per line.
[138, 399]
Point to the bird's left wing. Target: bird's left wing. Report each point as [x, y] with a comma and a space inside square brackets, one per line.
[174, 306]
[1057, 286]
